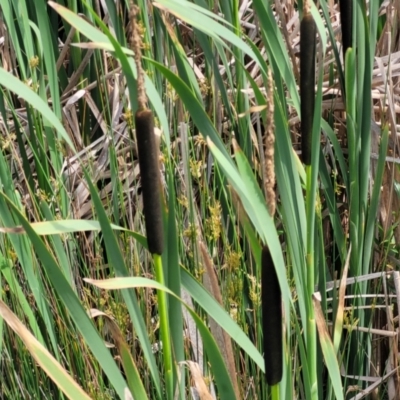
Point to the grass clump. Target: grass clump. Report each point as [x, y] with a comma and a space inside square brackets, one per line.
[202, 263]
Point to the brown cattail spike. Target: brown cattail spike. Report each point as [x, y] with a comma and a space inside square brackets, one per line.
[150, 179]
[307, 83]
[272, 319]
[346, 20]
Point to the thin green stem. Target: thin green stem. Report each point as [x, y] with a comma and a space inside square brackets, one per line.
[275, 392]
[311, 327]
[164, 327]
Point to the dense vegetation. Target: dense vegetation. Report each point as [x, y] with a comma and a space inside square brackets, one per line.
[277, 126]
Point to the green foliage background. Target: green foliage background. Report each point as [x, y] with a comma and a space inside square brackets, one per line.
[78, 302]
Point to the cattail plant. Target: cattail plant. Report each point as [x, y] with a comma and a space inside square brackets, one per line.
[308, 33]
[346, 20]
[270, 290]
[147, 151]
[307, 81]
[150, 179]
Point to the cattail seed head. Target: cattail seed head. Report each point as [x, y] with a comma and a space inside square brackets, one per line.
[150, 179]
[272, 319]
[346, 20]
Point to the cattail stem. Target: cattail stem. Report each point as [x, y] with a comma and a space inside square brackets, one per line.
[307, 83]
[272, 319]
[164, 327]
[275, 392]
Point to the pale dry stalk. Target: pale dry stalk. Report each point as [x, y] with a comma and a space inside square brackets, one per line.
[135, 43]
[269, 141]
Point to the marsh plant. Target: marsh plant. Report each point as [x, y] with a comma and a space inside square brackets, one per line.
[199, 199]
